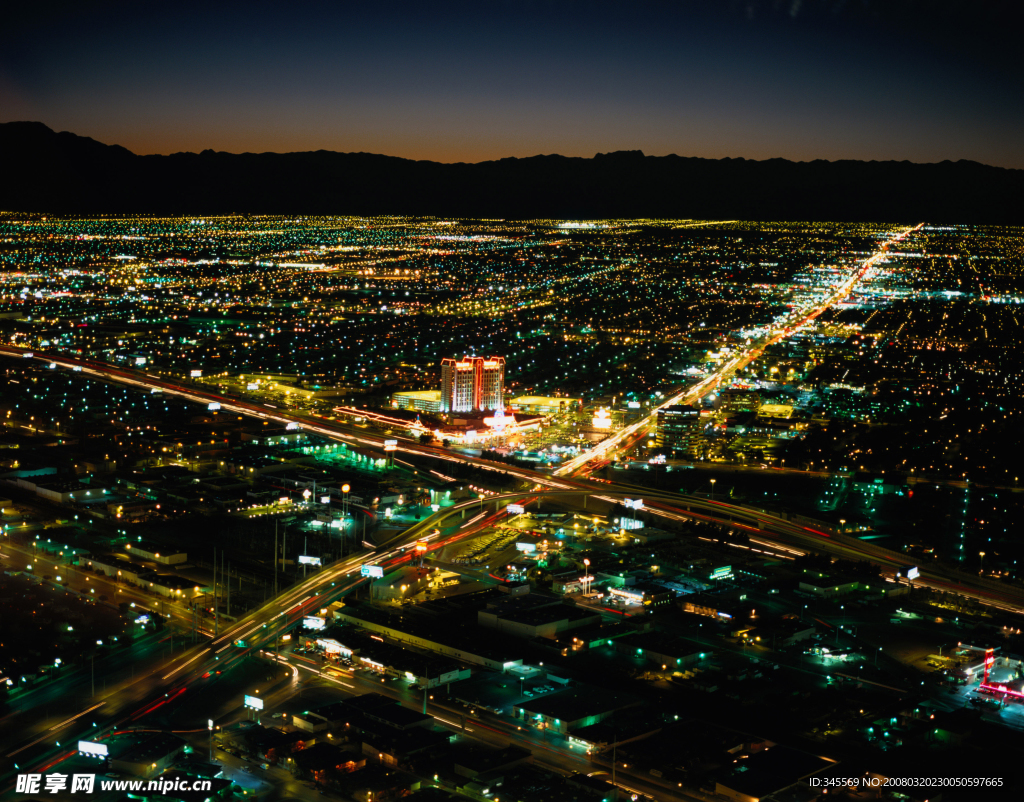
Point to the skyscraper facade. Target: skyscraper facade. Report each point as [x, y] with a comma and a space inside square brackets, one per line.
[472, 384]
[679, 430]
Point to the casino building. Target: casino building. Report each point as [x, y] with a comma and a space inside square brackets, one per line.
[472, 384]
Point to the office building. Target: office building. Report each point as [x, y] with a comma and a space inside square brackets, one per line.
[734, 401]
[679, 429]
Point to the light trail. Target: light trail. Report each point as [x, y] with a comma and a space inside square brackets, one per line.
[55, 727]
[183, 665]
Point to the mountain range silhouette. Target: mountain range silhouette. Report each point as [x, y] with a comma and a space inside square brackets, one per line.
[63, 173]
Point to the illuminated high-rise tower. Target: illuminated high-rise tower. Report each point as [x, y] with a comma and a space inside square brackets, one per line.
[472, 384]
[492, 383]
[457, 385]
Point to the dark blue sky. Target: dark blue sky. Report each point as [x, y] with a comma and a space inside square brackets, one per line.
[799, 79]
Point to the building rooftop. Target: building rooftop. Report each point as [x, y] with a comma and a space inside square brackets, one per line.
[770, 770]
[578, 703]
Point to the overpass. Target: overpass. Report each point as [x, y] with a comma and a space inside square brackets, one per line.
[774, 529]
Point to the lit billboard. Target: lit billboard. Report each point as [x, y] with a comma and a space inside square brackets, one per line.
[313, 622]
[92, 748]
[254, 702]
[913, 573]
[526, 547]
[515, 509]
[372, 570]
[304, 560]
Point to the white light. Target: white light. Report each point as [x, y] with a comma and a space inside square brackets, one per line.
[254, 702]
[92, 748]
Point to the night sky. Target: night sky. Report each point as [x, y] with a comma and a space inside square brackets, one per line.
[798, 79]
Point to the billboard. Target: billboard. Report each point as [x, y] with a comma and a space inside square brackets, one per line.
[304, 560]
[722, 573]
[633, 504]
[913, 573]
[92, 748]
[390, 445]
[213, 406]
[195, 374]
[526, 547]
[313, 622]
[254, 702]
[372, 570]
[515, 509]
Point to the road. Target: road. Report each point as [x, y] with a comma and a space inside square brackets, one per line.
[97, 587]
[550, 751]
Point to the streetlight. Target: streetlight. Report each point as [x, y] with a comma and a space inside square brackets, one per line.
[982, 571]
[713, 489]
[842, 524]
